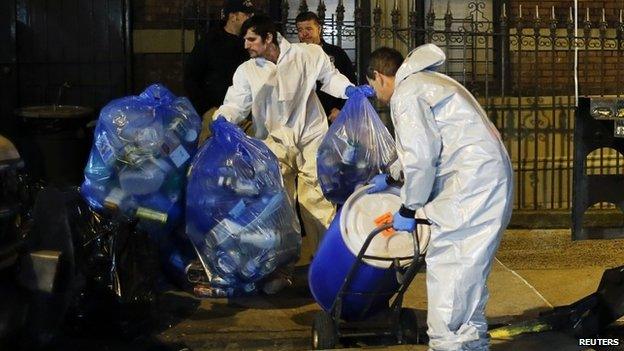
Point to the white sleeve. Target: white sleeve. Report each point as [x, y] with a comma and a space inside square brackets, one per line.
[395, 169]
[419, 145]
[238, 100]
[333, 82]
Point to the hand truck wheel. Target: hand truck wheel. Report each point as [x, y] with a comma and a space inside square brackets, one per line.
[324, 334]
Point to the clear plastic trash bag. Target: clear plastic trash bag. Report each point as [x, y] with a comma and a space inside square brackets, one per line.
[238, 215]
[140, 155]
[357, 147]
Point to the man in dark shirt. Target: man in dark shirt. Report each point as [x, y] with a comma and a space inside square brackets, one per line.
[309, 31]
[210, 66]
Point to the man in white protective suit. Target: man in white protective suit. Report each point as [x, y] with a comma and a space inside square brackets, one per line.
[456, 169]
[277, 85]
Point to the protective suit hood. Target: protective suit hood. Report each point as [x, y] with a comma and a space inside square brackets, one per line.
[424, 57]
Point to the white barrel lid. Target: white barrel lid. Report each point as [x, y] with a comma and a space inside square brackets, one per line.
[357, 221]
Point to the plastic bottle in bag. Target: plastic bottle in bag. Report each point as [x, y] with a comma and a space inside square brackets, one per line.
[94, 192]
[266, 239]
[260, 266]
[119, 200]
[183, 130]
[251, 269]
[228, 261]
[268, 262]
[225, 234]
[144, 178]
[96, 170]
[149, 214]
[238, 209]
[246, 187]
[149, 139]
[129, 122]
[241, 186]
[107, 152]
[350, 152]
[173, 149]
[249, 288]
[158, 207]
[218, 280]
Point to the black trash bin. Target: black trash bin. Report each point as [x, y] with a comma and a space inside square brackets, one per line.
[54, 143]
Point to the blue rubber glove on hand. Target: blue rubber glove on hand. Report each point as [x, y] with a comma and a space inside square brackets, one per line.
[403, 224]
[379, 182]
[365, 90]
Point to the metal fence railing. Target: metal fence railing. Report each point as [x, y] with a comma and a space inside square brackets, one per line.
[520, 65]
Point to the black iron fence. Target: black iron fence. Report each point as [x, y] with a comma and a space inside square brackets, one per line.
[522, 67]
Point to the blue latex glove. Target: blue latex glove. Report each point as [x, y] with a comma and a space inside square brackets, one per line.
[404, 224]
[379, 182]
[365, 90]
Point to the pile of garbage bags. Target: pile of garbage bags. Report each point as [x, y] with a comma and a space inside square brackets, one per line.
[238, 216]
[142, 147]
[239, 220]
[357, 147]
[118, 273]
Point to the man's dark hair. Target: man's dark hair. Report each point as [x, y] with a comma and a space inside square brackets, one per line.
[308, 16]
[261, 25]
[384, 60]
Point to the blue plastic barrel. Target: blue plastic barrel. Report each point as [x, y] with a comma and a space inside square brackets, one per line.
[334, 258]
[330, 268]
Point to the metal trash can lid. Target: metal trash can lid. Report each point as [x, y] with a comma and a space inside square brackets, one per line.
[54, 111]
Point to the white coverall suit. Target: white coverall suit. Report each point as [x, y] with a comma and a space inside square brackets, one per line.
[289, 118]
[457, 169]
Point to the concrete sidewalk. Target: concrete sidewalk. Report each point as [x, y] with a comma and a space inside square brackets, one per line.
[534, 270]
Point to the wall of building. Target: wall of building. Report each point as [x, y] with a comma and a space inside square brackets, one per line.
[157, 44]
[163, 32]
[600, 61]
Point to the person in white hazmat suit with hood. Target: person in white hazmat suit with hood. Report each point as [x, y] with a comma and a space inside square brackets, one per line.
[277, 85]
[457, 172]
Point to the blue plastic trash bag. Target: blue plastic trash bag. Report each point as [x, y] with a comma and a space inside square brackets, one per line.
[238, 215]
[141, 152]
[357, 147]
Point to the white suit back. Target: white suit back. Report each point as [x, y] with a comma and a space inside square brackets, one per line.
[457, 169]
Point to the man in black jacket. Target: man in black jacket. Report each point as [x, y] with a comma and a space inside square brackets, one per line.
[309, 31]
[210, 66]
